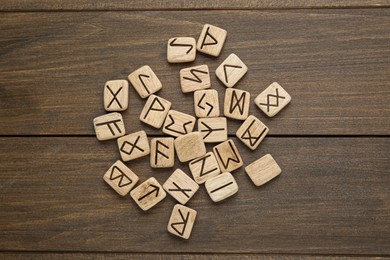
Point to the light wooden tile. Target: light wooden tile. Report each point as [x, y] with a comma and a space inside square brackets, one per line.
[263, 170]
[109, 126]
[195, 78]
[204, 168]
[213, 130]
[206, 103]
[228, 157]
[116, 95]
[181, 49]
[162, 153]
[236, 105]
[272, 99]
[180, 186]
[120, 178]
[144, 81]
[178, 123]
[133, 146]
[211, 40]
[148, 194]
[231, 70]
[221, 186]
[189, 146]
[155, 111]
[252, 132]
[181, 221]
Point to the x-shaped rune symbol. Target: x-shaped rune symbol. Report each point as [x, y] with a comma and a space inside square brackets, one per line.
[133, 146]
[268, 100]
[114, 98]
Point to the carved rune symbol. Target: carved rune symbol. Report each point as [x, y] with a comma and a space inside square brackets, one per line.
[247, 135]
[114, 96]
[207, 103]
[178, 188]
[203, 161]
[209, 129]
[268, 104]
[230, 66]
[184, 223]
[236, 102]
[155, 189]
[159, 152]
[196, 78]
[140, 77]
[132, 146]
[207, 34]
[221, 187]
[229, 159]
[173, 44]
[159, 106]
[181, 131]
[108, 123]
[123, 179]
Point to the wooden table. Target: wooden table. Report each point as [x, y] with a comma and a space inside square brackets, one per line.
[332, 142]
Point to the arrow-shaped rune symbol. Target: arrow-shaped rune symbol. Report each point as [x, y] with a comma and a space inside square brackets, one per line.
[184, 223]
[209, 129]
[173, 44]
[207, 103]
[231, 66]
[155, 189]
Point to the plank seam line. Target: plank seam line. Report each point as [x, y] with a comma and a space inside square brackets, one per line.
[159, 135]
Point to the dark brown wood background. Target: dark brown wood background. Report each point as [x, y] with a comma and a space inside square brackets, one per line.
[332, 141]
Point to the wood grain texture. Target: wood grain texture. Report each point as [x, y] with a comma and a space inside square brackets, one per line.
[334, 63]
[23, 5]
[331, 198]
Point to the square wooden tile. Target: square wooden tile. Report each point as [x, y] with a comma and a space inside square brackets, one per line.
[206, 103]
[180, 186]
[145, 81]
[120, 178]
[211, 40]
[213, 130]
[162, 153]
[272, 99]
[148, 194]
[204, 168]
[109, 126]
[231, 70]
[133, 146]
[155, 111]
[221, 186]
[181, 221]
[195, 78]
[189, 146]
[178, 123]
[181, 49]
[252, 132]
[263, 170]
[236, 105]
[228, 157]
[116, 95]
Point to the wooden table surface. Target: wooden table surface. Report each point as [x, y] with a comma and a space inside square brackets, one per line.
[332, 142]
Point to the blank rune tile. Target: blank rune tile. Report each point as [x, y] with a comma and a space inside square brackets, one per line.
[109, 126]
[181, 221]
[236, 105]
[211, 40]
[116, 95]
[204, 168]
[206, 103]
[133, 146]
[145, 81]
[189, 146]
[148, 194]
[194, 78]
[178, 123]
[221, 186]
[180, 186]
[263, 170]
[272, 99]
[252, 132]
[181, 49]
[228, 157]
[231, 70]
[162, 153]
[120, 178]
[213, 130]
[155, 111]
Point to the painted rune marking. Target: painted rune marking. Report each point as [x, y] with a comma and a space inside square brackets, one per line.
[236, 102]
[203, 161]
[158, 151]
[108, 123]
[196, 78]
[221, 187]
[231, 66]
[229, 159]
[114, 96]
[178, 188]
[173, 44]
[160, 107]
[184, 223]
[140, 77]
[123, 179]
[155, 189]
[209, 129]
[268, 100]
[247, 135]
[205, 37]
[207, 103]
[168, 127]
[133, 146]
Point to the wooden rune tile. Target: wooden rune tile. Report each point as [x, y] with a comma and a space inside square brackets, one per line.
[189, 146]
[272, 99]
[181, 49]
[116, 95]
[221, 186]
[236, 105]
[148, 194]
[180, 186]
[213, 130]
[211, 40]
[109, 126]
[204, 168]
[181, 221]
[133, 146]
[263, 170]
[231, 70]
[162, 153]
[178, 123]
[252, 132]
[195, 78]
[206, 103]
[228, 157]
[155, 111]
[120, 178]
[145, 81]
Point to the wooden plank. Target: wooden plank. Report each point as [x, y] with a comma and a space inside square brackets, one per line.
[332, 197]
[24, 5]
[334, 63]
